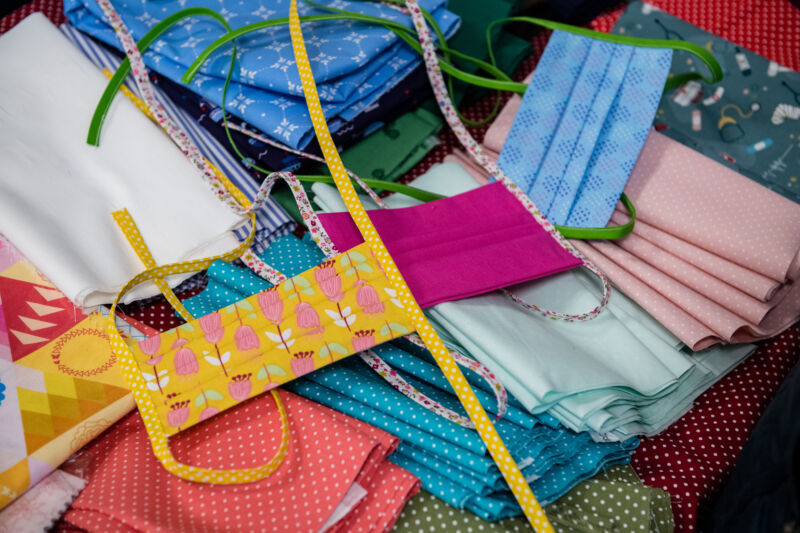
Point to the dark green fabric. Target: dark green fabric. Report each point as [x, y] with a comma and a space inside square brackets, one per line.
[394, 149]
[615, 501]
[470, 39]
[386, 154]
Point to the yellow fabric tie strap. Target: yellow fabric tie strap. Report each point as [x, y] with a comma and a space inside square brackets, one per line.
[131, 232]
[519, 487]
[135, 380]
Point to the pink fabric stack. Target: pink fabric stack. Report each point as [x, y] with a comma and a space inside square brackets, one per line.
[713, 256]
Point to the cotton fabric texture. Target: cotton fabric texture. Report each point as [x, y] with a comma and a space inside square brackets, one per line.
[59, 386]
[329, 454]
[462, 245]
[581, 125]
[271, 220]
[602, 503]
[450, 460]
[46, 160]
[694, 262]
[616, 398]
[695, 455]
[355, 63]
[747, 122]
[771, 30]
[42, 505]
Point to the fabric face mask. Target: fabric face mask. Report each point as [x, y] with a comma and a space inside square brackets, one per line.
[581, 126]
[205, 366]
[460, 246]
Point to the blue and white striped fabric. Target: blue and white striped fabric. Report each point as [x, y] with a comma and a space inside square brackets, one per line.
[271, 220]
[354, 63]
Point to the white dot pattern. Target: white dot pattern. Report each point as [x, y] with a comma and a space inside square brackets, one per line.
[519, 487]
[128, 490]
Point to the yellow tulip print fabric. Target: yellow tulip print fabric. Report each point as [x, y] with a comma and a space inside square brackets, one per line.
[340, 307]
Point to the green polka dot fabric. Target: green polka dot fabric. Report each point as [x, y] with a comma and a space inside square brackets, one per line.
[615, 500]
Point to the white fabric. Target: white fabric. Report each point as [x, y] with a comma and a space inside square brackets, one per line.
[354, 495]
[57, 193]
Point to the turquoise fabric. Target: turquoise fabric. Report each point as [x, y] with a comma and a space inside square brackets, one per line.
[451, 460]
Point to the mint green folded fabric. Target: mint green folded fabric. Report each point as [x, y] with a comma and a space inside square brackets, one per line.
[617, 376]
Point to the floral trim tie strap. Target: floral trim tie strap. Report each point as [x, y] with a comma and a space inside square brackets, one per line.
[474, 149]
[262, 269]
[519, 487]
[222, 188]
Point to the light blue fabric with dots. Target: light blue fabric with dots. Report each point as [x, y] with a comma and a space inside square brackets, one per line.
[581, 125]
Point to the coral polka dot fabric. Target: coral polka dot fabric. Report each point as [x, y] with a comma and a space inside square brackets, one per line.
[697, 454]
[768, 27]
[129, 490]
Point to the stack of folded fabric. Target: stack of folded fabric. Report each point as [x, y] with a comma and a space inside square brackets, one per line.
[334, 478]
[59, 386]
[641, 379]
[712, 259]
[450, 460]
[46, 159]
[354, 63]
[710, 262]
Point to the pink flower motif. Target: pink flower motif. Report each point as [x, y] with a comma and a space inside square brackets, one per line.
[211, 324]
[185, 362]
[150, 345]
[153, 361]
[308, 318]
[207, 413]
[329, 281]
[367, 298]
[302, 363]
[179, 342]
[364, 339]
[240, 387]
[246, 338]
[178, 414]
[271, 304]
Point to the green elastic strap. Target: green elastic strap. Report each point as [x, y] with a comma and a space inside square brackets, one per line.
[501, 81]
[144, 43]
[676, 81]
[608, 233]
[150, 37]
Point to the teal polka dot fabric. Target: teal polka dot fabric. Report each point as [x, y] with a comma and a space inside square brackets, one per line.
[450, 460]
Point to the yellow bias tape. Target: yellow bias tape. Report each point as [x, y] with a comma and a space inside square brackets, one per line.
[519, 487]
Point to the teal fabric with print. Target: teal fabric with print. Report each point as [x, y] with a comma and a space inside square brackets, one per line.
[750, 121]
[451, 460]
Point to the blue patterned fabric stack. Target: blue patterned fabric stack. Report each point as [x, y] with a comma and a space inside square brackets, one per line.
[354, 63]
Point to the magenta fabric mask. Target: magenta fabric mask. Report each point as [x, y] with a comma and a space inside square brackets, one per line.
[460, 246]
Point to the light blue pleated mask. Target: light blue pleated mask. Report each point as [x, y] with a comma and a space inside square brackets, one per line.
[581, 126]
